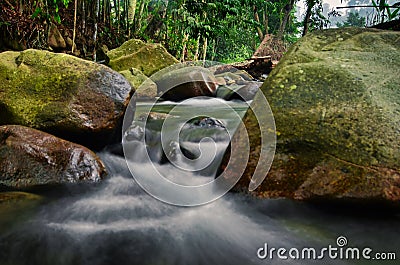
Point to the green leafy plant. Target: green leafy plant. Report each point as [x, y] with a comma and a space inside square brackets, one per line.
[383, 10]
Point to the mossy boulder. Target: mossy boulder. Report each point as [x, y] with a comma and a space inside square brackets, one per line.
[29, 157]
[144, 87]
[74, 99]
[336, 101]
[147, 57]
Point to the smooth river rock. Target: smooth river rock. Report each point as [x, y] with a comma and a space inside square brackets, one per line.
[335, 96]
[186, 82]
[74, 99]
[29, 157]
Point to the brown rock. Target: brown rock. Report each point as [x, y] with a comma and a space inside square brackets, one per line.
[55, 39]
[29, 157]
[184, 83]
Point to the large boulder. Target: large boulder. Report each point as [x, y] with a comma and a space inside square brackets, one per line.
[185, 82]
[147, 57]
[144, 86]
[336, 100]
[29, 157]
[74, 99]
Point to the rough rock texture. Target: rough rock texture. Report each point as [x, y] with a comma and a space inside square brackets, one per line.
[336, 100]
[29, 157]
[235, 84]
[144, 87]
[74, 99]
[147, 57]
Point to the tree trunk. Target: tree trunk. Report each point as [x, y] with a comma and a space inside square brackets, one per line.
[196, 54]
[214, 49]
[306, 22]
[118, 15]
[205, 49]
[266, 20]
[131, 15]
[96, 18]
[288, 10]
[139, 17]
[185, 39]
[257, 19]
[74, 32]
[83, 19]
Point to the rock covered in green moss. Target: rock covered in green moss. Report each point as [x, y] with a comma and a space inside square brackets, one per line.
[144, 86]
[336, 101]
[74, 99]
[147, 57]
[29, 157]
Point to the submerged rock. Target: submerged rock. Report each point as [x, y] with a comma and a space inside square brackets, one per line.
[147, 57]
[29, 157]
[16, 206]
[336, 101]
[12, 197]
[74, 99]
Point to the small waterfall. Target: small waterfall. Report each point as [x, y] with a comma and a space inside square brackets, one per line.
[118, 223]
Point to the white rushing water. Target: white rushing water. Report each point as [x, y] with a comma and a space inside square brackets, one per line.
[118, 223]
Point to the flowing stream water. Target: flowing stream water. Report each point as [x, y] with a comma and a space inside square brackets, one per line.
[116, 222]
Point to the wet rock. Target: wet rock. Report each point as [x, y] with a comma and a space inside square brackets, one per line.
[220, 81]
[187, 82]
[144, 87]
[74, 99]
[207, 122]
[147, 57]
[198, 128]
[245, 91]
[337, 117]
[29, 157]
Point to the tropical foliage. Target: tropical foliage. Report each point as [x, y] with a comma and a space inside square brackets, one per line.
[222, 30]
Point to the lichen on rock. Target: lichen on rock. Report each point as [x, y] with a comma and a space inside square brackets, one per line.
[72, 98]
[146, 57]
[336, 102]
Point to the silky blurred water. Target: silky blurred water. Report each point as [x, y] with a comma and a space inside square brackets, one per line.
[116, 222]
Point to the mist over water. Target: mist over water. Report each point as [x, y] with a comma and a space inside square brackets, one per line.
[117, 222]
